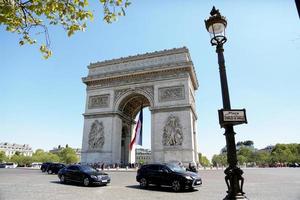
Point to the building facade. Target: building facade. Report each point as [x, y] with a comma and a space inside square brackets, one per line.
[11, 149]
[143, 156]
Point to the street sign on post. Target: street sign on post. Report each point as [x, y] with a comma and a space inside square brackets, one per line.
[233, 117]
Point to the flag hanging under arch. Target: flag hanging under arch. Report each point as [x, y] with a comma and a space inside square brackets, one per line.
[137, 139]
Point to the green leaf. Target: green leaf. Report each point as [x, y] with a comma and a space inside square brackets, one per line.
[72, 15]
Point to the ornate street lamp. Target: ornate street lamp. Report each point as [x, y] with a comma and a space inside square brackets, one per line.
[216, 25]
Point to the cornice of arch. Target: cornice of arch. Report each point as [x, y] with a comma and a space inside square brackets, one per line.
[158, 74]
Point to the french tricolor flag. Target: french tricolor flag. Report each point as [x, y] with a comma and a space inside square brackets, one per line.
[138, 131]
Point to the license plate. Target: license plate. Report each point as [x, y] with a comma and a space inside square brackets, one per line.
[104, 181]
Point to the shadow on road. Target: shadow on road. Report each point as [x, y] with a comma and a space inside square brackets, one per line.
[159, 188]
[76, 184]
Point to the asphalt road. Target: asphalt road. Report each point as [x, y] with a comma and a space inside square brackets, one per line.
[260, 184]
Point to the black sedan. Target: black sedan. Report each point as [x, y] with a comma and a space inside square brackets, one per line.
[53, 168]
[83, 174]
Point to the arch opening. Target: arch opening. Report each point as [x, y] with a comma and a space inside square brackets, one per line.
[131, 106]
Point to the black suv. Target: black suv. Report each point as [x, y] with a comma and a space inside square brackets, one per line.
[53, 168]
[169, 175]
[45, 166]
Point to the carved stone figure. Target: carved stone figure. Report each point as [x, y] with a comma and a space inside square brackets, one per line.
[96, 135]
[172, 132]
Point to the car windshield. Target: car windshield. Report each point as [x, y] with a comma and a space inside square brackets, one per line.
[87, 168]
[176, 168]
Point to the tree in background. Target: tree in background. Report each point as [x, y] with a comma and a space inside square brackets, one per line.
[286, 153]
[280, 155]
[262, 158]
[245, 143]
[245, 155]
[241, 159]
[219, 160]
[14, 158]
[21, 160]
[203, 160]
[240, 144]
[68, 156]
[3, 157]
[28, 18]
[41, 156]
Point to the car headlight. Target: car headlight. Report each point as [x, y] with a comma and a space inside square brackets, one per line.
[188, 178]
[93, 177]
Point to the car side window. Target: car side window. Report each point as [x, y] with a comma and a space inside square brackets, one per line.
[154, 167]
[165, 169]
[73, 168]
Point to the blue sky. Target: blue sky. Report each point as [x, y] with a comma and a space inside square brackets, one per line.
[42, 100]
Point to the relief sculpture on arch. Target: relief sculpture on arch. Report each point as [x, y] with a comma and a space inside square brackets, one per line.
[96, 136]
[172, 133]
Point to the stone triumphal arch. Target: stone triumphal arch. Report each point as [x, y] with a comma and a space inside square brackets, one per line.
[164, 81]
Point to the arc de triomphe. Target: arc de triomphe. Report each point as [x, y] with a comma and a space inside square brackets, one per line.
[165, 81]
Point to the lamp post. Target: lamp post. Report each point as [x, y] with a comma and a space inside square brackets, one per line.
[216, 25]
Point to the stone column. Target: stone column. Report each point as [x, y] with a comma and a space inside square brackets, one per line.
[127, 142]
[116, 127]
[172, 136]
[195, 140]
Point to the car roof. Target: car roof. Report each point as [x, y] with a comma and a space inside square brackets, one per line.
[152, 164]
[77, 165]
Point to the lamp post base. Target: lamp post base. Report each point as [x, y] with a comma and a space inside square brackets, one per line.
[238, 196]
[234, 182]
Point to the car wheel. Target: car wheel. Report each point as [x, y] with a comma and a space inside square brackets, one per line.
[62, 179]
[176, 186]
[86, 182]
[50, 171]
[143, 183]
[43, 170]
